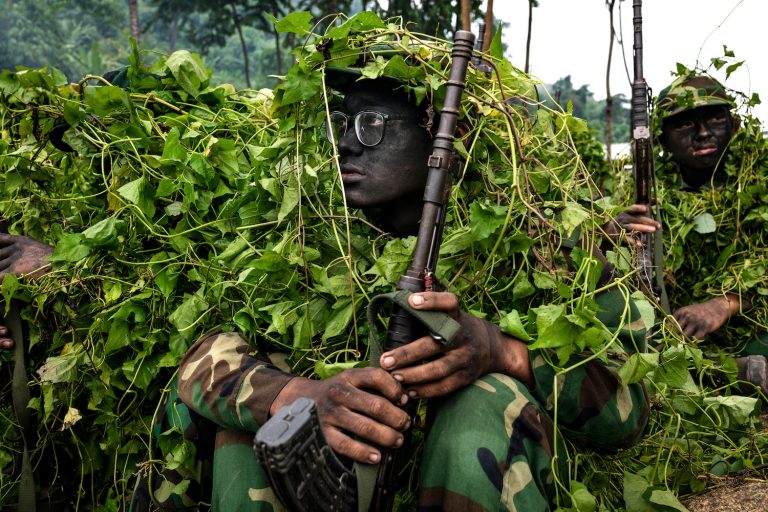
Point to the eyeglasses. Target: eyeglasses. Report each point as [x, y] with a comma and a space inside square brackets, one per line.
[369, 126]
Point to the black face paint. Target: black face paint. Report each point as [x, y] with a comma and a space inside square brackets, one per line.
[697, 139]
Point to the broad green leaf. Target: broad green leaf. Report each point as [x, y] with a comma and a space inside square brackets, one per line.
[300, 86]
[325, 370]
[664, 498]
[63, 368]
[375, 68]
[8, 287]
[543, 281]
[496, 48]
[485, 220]
[71, 247]
[635, 489]
[223, 153]
[522, 288]
[311, 320]
[142, 370]
[173, 151]
[103, 232]
[188, 314]
[582, 499]
[732, 411]
[340, 319]
[189, 71]
[105, 100]
[704, 223]
[554, 330]
[512, 324]
[573, 215]
[645, 308]
[638, 366]
[289, 203]
[119, 336]
[673, 368]
[140, 193]
[283, 316]
[296, 22]
[112, 291]
[74, 113]
[394, 259]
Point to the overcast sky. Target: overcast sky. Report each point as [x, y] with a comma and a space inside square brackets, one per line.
[570, 37]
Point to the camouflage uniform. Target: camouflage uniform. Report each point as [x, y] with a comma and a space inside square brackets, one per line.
[500, 433]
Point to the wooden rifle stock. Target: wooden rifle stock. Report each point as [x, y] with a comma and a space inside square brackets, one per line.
[403, 328]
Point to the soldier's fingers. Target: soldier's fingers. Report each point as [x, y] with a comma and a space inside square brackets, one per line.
[355, 450]
[6, 343]
[642, 228]
[435, 301]
[380, 408]
[7, 251]
[431, 371]
[410, 354]
[371, 378]
[637, 208]
[364, 428]
[442, 387]
[8, 241]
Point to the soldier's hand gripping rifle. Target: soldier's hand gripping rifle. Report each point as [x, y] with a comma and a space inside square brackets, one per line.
[642, 163]
[304, 471]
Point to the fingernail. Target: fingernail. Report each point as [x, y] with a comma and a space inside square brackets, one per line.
[417, 300]
[374, 457]
[398, 377]
[399, 442]
[413, 394]
[403, 399]
[388, 361]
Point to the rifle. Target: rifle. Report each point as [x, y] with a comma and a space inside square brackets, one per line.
[291, 445]
[649, 254]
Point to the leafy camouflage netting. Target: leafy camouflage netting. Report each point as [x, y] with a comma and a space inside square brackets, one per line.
[183, 206]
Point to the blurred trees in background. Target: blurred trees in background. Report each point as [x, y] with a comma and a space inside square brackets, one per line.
[235, 37]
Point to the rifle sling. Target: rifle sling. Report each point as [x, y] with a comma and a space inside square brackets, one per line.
[365, 475]
[438, 323]
[20, 394]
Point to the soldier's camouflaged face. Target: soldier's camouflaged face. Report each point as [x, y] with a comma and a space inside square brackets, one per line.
[689, 92]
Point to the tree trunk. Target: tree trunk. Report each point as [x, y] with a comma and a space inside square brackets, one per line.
[608, 97]
[133, 19]
[466, 15]
[243, 46]
[174, 34]
[489, 28]
[528, 39]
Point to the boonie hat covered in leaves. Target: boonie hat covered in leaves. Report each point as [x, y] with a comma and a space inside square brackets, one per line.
[691, 91]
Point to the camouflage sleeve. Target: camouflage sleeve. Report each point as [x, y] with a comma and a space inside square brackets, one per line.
[222, 379]
[593, 405]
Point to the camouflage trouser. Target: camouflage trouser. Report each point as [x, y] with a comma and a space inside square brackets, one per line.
[489, 447]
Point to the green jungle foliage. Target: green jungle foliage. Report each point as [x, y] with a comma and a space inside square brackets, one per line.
[176, 205]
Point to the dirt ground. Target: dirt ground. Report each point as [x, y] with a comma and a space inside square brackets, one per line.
[747, 493]
[734, 495]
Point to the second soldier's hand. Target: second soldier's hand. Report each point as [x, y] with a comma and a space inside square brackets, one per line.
[479, 348]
